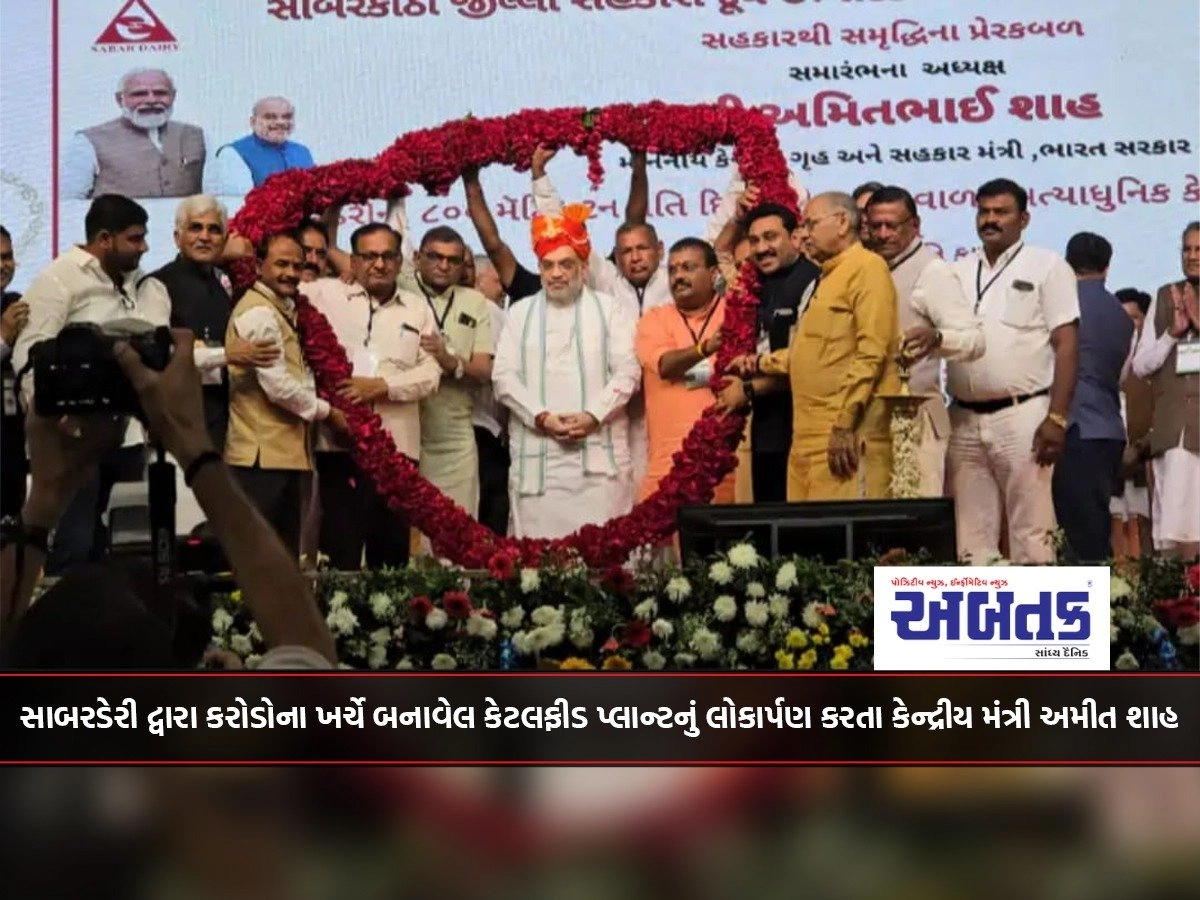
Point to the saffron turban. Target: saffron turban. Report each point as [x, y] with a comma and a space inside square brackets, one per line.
[564, 230]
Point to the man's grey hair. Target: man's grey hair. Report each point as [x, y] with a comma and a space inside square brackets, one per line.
[199, 205]
[143, 71]
[841, 202]
[261, 100]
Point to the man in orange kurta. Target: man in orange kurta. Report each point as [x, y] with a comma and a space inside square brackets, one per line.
[675, 346]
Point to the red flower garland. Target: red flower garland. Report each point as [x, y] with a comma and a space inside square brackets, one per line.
[435, 158]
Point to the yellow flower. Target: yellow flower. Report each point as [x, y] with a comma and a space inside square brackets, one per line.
[796, 639]
[807, 659]
[236, 596]
[616, 662]
[838, 663]
[574, 662]
[819, 639]
[843, 651]
[823, 629]
[785, 659]
[858, 639]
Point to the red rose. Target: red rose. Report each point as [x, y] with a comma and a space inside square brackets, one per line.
[419, 607]
[1180, 613]
[1193, 578]
[637, 634]
[501, 566]
[456, 604]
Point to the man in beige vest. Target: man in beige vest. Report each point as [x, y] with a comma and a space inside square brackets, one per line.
[1168, 354]
[141, 153]
[936, 319]
[271, 409]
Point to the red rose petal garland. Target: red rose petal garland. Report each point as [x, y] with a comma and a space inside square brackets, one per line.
[435, 158]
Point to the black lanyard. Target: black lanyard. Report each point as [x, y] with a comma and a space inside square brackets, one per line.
[698, 338]
[909, 255]
[371, 310]
[982, 289]
[440, 320]
[640, 293]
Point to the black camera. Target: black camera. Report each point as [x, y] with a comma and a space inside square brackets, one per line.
[77, 371]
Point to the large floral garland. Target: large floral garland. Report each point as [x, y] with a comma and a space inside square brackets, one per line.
[435, 158]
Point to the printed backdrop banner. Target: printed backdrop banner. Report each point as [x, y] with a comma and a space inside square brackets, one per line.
[1071, 99]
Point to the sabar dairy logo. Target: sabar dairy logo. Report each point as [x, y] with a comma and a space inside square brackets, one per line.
[135, 28]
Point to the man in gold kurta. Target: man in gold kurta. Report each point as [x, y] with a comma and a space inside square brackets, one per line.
[841, 355]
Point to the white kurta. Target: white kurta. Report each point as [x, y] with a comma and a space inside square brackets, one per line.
[566, 359]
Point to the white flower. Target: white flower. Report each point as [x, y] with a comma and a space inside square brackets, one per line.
[725, 608]
[398, 634]
[678, 588]
[1123, 617]
[646, 610]
[339, 598]
[785, 578]
[221, 621]
[380, 636]
[443, 661]
[683, 660]
[240, 644]
[1118, 588]
[481, 626]
[755, 590]
[743, 556]
[405, 664]
[756, 613]
[749, 642]
[662, 629]
[779, 605]
[382, 607]
[377, 658]
[342, 620]
[1113, 633]
[253, 660]
[582, 638]
[652, 659]
[1188, 635]
[255, 634]
[513, 617]
[530, 581]
[1127, 661]
[345, 666]
[436, 619]
[812, 616]
[720, 573]
[547, 615]
[706, 643]
[521, 644]
[547, 636]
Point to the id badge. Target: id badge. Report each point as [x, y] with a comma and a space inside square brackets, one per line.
[1187, 357]
[365, 363]
[10, 395]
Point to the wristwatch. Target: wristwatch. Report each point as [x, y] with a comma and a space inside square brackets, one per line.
[748, 390]
[1060, 421]
[458, 369]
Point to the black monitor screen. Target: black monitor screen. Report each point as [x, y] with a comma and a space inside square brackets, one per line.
[826, 530]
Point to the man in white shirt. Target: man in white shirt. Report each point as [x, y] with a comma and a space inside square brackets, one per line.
[380, 327]
[97, 282]
[936, 321]
[566, 368]
[1168, 354]
[1010, 406]
[272, 408]
[490, 418]
[142, 152]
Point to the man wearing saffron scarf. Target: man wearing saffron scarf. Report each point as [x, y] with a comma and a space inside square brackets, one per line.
[566, 368]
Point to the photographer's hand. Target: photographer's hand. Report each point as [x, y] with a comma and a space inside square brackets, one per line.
[171, 399]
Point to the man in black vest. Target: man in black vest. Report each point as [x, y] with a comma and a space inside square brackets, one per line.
[787, 280]
[200, 295]
[14, 313]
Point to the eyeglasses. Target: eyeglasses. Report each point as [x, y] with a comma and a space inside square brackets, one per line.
[807, 224]
[894, 226]
[434, 257]
[388, 256]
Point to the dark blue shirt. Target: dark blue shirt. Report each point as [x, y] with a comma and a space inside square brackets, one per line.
[1105, 332]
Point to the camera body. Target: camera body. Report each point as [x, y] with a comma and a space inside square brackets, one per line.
[77, 372]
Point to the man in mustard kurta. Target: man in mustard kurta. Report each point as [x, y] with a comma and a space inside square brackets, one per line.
[841, 355]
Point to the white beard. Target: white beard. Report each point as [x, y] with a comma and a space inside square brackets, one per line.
[566, 295]
[147, 121]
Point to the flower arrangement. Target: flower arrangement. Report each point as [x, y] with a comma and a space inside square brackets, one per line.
[736, 610]
[905, 479]
[435, 158]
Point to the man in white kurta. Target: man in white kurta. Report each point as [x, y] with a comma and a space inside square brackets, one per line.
[566, 368]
